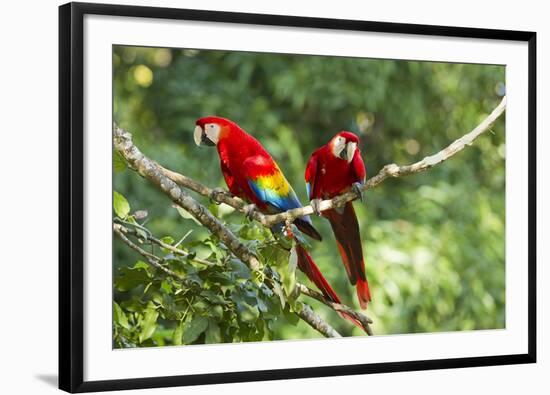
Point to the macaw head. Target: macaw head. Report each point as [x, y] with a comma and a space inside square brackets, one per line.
[210, 130]
[344, 145]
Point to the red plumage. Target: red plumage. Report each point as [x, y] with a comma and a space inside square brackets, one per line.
[234, 147]
[328, 174]
[252, 174]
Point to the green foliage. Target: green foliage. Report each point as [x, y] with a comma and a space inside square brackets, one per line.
[120, 205]
[433, 242]
[222, 304]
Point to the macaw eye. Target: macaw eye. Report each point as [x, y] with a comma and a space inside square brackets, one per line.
[212, 131]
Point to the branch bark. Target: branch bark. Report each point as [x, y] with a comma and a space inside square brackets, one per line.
[146, 236]
[168, 181]
[153, 240]
[151, 171]
[306, 314]
[363, 319]
[391, 170]
[153, 260]
[316, 322]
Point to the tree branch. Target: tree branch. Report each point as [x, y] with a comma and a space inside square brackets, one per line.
[152, 171]
[391, 170]
[148, 237]
[363, 319]
[316, 322]
[306, 314]
[167, 181]
[153, 260]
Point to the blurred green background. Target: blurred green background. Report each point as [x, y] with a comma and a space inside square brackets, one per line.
[433, 242]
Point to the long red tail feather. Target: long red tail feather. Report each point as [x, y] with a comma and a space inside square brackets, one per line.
[348, 240]
[363, 293]
[308, 266]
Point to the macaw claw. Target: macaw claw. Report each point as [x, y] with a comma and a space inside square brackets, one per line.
[315, 205]
[357, 187]
[216, 192]
[249, 210]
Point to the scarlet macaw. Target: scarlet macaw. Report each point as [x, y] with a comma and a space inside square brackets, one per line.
[251, 174]
[333, 169]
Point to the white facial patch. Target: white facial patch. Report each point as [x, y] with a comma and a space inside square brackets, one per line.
[212, 131]
[338, 145]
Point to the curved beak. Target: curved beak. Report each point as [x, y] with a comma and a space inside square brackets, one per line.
[348, 152]
[200, 137]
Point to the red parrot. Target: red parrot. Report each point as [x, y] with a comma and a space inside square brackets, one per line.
[332, 170]
[251, 174]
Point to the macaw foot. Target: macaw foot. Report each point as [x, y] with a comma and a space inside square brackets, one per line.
[215, 194]
[357, 187]
[315, 205]
[249, 210]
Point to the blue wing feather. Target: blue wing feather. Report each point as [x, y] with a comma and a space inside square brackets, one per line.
[273, 189]
[272, 198]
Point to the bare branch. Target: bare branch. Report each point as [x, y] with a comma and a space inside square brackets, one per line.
[316, 322]
[153, 260]
[342, 308]
[148, 237]
[306, 314]
[152, 172]
[121, 231]
[168, 181]
[215, 195]
[391, 170]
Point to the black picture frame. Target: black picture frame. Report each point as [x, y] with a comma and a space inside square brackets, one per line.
[71, 198]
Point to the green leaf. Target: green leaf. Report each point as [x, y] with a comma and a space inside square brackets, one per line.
[285, 262]
[213, 297]
[194, 328]
[247, 313]
[177, 335]
[167, 240]
[185, 214]
[216, 312]
[279, 292]
[120, 205]
[273, 308]
[141, 265]
[296, 306]
[291, 317]
[141, 233]
[119, 163]
[119, 316]
[148, 324]
[213, 208]
[239, 269]
[130, 278]
[166, 287]
[213, 333]
[289, 278]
